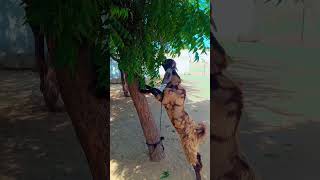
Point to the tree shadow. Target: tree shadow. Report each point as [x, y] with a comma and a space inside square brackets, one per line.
[35, 144]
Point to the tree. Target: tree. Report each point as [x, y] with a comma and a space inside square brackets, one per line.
[77, 47]
[48, 82]
[124, 84]
[142, 32]
[83, 35]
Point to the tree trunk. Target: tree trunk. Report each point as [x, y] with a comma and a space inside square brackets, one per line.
[228, 162]
[124, 84]
[88, 113]
[41, 65]
[48, 82]
[150, 130]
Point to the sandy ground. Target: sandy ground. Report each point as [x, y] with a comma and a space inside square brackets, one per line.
[129, 155]
[35, 144]
[280, 126]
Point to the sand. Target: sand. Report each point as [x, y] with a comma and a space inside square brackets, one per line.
[280, 126]
[129, 155]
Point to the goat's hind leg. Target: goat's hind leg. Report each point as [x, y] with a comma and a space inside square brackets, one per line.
[194, 158]
[198, 167]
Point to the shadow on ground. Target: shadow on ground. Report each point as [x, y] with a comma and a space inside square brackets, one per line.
[35, 144]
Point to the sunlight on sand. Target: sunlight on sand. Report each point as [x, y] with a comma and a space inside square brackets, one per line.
[113, 169]
[6, 178]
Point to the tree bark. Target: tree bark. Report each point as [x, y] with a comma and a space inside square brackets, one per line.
[48, 83]
[124, 84]
[150, 130]
[88, 113]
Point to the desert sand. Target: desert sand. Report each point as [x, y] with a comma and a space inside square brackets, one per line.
[129, 156]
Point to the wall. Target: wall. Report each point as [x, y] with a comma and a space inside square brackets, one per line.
[115, 76]
[250, 20]
[16, 40]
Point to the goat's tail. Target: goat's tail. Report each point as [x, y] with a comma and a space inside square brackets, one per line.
[201, 131]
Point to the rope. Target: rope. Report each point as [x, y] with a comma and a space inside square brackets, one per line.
[160, 117]
[161, 137]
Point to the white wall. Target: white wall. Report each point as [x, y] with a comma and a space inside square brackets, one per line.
[16, 39]
[253, 20]
[184, 60]
[233, 18]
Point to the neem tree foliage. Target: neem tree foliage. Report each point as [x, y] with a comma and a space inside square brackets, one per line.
[142, 32]
[136, 33]
[71, 23]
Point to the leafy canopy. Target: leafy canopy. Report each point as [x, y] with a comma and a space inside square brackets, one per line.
[136, 33]
[72, 23]
[142, 32]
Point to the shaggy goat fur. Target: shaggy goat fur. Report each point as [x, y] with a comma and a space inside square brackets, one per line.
[191, 133]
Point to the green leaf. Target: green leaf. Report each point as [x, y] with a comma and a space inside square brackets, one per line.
[196, 57]
[164, 175]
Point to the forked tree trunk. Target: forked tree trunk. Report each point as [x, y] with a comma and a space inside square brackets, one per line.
[88, 113]
[48, 83]
[150, 130]
[228, 162]
[124, 84]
